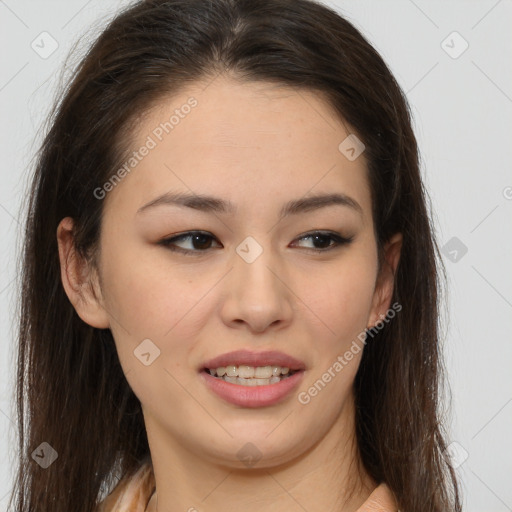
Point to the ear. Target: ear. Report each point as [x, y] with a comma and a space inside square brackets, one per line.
[385, 280]
[79, 279]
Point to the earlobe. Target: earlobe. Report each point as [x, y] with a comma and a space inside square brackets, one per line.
[385, 281]
[79, 279]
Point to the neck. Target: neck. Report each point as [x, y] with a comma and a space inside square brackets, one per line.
[329, 476]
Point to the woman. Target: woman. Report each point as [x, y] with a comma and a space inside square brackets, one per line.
[230, 283]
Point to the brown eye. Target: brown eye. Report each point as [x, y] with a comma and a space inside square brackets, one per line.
[322, 240]
[197, 241]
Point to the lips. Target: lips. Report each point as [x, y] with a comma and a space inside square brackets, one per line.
[253, 397]
[261, 394]
[246, 357]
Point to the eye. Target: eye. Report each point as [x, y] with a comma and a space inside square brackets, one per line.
[200, 241]
[323, 239]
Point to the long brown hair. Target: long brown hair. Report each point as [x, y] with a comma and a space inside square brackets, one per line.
[71, 390]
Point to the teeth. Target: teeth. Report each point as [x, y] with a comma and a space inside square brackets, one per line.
[251, 375]
[252, 382]
[231, 371]
[263, 372]
[247, 372]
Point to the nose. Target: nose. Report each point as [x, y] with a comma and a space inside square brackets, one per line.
[257, 294]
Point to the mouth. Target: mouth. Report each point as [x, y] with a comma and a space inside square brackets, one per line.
[252, 379]
[245, 375]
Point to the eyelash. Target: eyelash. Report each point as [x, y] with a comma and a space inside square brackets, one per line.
[167, 242]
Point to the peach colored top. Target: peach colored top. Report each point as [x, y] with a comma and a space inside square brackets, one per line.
[133, 495]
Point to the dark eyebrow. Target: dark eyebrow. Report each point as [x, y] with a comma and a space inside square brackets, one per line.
[213, 204]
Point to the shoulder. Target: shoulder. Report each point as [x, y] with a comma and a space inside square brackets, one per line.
[132, 493]
[380, 500]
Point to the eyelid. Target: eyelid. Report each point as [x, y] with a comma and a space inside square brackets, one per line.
[166, 242]
[339, 240]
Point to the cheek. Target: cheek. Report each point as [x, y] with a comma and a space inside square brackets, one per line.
[341, 296]
[149, 300]
[145, 289]
[161, 305]
[343, 305]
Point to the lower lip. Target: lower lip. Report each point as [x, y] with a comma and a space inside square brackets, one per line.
[253, 396]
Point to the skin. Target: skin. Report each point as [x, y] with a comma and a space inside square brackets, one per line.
[258, 145]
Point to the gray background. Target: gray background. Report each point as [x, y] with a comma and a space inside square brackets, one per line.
[462, 107]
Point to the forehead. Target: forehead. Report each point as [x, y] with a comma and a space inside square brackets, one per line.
[252, 141]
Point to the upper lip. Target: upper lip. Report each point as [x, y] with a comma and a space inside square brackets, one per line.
[249, 358]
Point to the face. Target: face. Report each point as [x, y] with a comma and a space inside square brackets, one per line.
[261, 269]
